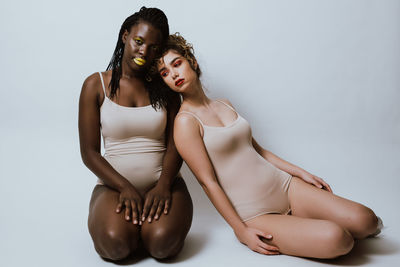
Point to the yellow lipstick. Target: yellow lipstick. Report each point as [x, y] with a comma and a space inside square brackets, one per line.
[139, 61]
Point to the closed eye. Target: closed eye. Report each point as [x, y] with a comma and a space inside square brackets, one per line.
[138, 41]
[177, 63]
[164, 73]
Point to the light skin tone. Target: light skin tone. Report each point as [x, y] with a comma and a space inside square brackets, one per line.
[326, 230]
[118, 211]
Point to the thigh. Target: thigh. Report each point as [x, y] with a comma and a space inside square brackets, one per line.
[179, 218]
[104, 223]
[309, 201]
[303, 236]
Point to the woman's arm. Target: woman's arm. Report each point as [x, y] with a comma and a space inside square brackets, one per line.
[190, 145]
[287, 166]
[89, 137]
[158, 199]
[290, 168]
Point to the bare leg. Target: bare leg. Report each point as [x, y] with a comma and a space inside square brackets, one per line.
[304, 237]
[114, 238]
[310, 202]
[164, 238]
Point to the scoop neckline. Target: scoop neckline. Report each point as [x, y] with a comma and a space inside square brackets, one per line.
[227, 126]
[126, 106]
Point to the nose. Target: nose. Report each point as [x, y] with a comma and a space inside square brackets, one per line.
[174, 74]
[143, 50]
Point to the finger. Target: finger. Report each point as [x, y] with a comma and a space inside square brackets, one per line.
[159, 209]
[317, 184]
[119, 207]
[265, 251]
[268, 247]
[127, 210]
[153, 210]
[166, 206]
[327, 187]
[139, 207]
[134, 212]
[263, 235]
[261, 250]
[146, 208]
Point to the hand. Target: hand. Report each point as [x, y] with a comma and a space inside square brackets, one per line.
[251, 237]
[157, 201]
[132, 201]
[316, 181]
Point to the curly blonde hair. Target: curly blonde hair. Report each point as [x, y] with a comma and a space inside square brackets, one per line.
[177, 43]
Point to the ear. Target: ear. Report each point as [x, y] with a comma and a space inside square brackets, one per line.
[125, 36]
[195, 64]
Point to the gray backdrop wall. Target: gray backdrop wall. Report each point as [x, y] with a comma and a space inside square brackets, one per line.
[318, 80]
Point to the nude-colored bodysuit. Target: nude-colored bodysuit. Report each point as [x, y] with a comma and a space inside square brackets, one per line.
[253, 185]
[134, 141]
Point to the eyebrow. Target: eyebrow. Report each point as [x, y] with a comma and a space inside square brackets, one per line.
[144, 39]
[170, 63]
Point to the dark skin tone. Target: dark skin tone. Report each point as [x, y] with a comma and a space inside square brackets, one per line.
[119, 214]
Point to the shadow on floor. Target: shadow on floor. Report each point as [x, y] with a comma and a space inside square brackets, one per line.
[363, 249]
[194, 243]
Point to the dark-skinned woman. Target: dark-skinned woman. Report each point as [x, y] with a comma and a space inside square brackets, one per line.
[140, 197]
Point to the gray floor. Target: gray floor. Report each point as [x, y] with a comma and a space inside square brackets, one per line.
[45, 191]
[320, 87]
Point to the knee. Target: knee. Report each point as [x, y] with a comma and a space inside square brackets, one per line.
[162, 243]
[113, 245]
[337, 241]
[364, 222]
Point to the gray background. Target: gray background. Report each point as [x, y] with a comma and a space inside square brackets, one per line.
[318, 81]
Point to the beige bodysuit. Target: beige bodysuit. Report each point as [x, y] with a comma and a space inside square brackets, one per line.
[134, 141]
[253, 185]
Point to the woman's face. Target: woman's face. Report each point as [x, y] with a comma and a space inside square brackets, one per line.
[142, 44]
[176, 71]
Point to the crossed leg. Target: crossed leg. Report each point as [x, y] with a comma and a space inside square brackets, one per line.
[322, 225]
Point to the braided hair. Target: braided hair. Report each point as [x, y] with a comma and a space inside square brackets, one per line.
[157, 19]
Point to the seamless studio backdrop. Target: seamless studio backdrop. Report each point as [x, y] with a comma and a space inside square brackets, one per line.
[318, 81]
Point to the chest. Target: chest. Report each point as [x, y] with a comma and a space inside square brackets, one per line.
[121, 122]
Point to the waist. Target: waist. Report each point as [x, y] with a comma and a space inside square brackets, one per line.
[132, 145]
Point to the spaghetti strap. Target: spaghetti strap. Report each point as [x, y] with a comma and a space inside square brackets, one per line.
[102, 83]
[229, 106]
[192, 114]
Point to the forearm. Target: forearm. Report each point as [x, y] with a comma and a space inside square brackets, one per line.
[103, 170]
[223, 205]
[283, 164]
[172, 163]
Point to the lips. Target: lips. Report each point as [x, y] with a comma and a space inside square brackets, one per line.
[179, 82]
[139, 61]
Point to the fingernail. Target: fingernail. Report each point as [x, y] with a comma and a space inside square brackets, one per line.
[156, 217]
[140, 222]
[127, 217]
[135, 222]
[269, 236]
[143, 218]
[149, 219]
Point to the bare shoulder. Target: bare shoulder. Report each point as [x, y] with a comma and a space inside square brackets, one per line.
[226, 101]
[185, 121]
[92, 84]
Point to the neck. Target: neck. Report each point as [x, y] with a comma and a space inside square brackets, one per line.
[129, 73]
[195, 96]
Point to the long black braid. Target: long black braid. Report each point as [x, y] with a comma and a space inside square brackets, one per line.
[157, 19]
